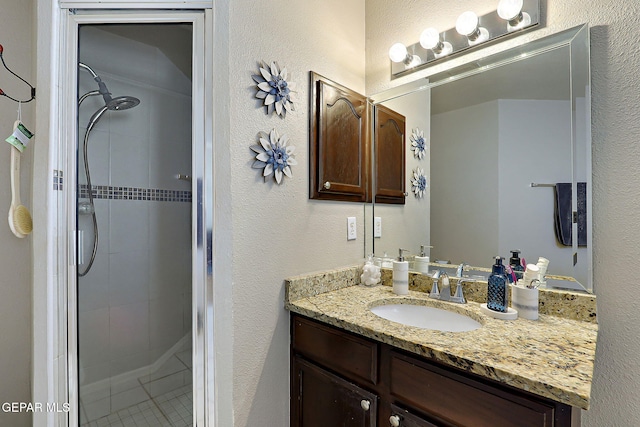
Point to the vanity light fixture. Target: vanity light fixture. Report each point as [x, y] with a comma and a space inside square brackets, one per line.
[398, 53]
[468, 25]
[430, 39]
[512, 17]
[511, 11]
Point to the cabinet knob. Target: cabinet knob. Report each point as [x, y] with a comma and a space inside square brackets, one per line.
[394, 421]
[327, 185]
[365, 404]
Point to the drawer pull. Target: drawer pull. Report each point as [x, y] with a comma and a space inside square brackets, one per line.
[365, 404]
[394, 421]
[327, 185]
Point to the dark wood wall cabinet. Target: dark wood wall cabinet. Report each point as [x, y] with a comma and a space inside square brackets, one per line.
[339, 142]
[342, 379]
[340, 154]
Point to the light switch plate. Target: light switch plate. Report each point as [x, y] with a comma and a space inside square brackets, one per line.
[377, 227]
[351, 228]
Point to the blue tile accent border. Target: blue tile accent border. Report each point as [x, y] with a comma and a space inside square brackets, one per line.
[124, 193]
[135, 193]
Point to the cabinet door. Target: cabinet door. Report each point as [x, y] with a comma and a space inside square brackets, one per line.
[321, 399]
[390, 156]
[338, 146]
[403, 418]
[349, 355]
[461, 401]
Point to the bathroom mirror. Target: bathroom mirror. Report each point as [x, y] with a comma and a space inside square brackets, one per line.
[502, 133]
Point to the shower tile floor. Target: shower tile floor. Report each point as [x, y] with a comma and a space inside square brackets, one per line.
[158, 407]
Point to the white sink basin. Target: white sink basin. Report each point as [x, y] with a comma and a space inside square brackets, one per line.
[426, 317]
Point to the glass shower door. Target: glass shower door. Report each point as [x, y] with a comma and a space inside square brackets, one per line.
[134, 225]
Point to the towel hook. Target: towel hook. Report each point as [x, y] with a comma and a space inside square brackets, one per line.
[3, 93]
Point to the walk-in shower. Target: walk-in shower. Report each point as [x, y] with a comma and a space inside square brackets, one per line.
[113, 104]
[134, 225]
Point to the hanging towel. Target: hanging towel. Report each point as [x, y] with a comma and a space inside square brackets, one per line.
[563, 213]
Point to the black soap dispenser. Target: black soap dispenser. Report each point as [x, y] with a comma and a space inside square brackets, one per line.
[516, 263]
[497, 287]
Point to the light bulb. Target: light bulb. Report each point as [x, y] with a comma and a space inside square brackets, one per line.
[429, 38]
[467, 23]
[398, 52]
[509, 9]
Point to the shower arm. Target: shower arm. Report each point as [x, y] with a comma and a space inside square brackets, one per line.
[89, 69]
[102, 88]
[88, 94]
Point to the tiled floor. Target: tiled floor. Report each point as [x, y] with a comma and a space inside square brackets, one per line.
[173, 409]
[162, 399]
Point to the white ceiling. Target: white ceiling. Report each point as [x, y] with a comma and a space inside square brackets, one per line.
[174, 40]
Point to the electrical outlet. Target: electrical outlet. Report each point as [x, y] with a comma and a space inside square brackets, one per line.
[377, 227]
[351, 228]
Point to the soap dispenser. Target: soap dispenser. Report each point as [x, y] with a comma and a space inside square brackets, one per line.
[421, 263]
[401, 274]
[497, 287]
[516, 263]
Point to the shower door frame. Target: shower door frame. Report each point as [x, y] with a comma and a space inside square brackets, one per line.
[202, 188]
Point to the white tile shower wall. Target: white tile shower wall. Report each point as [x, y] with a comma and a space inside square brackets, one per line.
[137, 296]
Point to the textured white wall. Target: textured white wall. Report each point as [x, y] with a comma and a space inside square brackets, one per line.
[277, 230]
[615, 59]
[453, 143]
[15, 254]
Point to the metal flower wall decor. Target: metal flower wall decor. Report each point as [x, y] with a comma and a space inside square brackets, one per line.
[418, 143]
[419, 183]
[273, 155]
[274, 89]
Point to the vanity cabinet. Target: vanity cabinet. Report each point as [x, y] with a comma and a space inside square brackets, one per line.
[324, 399]
[343, 379]
[339, 142]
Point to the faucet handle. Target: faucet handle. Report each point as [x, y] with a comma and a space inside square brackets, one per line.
[459, 295]
[460, 269]
[435, 292]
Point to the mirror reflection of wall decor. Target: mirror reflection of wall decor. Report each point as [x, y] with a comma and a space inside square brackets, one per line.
[494, 127]
[418, 143]
[274, 89]
[274, 155]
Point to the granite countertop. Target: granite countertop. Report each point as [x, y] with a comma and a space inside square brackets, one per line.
[552, 357]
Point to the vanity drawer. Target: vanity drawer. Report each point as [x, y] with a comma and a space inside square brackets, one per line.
[464, 401]
[348, 354]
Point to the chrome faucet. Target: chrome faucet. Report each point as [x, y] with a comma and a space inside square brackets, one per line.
[444, 294]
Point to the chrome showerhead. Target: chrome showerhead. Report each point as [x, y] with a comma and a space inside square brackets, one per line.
[118, 103]
[122, 103]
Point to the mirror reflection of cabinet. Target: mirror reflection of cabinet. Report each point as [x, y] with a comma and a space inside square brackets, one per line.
[390, 156]
[339, 142]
